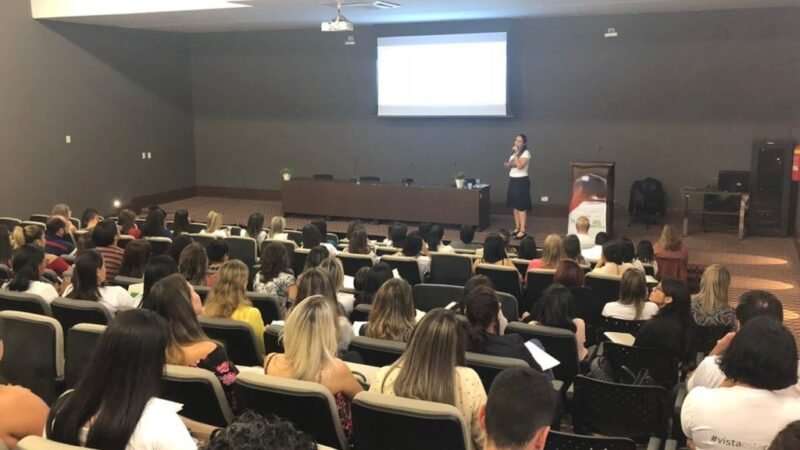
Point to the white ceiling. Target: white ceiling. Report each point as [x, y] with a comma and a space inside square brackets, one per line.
[282, 14]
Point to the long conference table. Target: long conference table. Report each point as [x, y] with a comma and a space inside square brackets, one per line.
[387, 201]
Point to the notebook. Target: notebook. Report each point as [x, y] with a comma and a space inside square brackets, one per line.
[620, 338]
[545, 361]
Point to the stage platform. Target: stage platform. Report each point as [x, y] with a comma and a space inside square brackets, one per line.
[755, 262]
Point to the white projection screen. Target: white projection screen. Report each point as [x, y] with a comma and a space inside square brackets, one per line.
[443, 75]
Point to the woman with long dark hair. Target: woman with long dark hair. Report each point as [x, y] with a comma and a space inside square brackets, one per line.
[135, 258]
[88, 278]
[519, 184]
[115, 405]
[158, 268]
[255, 228]
[29, 265]
[494, 252]
[276, 276]
[154, 224]
[180, 222]
[553, 310]
[672, 329]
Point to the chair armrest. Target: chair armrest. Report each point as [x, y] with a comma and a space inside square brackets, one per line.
[654, 444]
[682, 393]
[671, 444]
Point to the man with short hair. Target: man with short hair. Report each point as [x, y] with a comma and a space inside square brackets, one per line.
[752, 304]
[582, 231]
[519, 410]
[55, 232]
[105, 236]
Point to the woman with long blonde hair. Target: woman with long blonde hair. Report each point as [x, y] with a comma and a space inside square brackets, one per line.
[552, 253]
[276, 227]
[393, 315]
[214, 225]
[432, 369]
[227, 299]
[672, 256]
[710, 306]
[309, 341]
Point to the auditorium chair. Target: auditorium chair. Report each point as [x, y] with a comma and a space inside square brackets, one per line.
[705, 338]
[20, 301]
[268, 305]
[559, 343]
[377, 352]
[124, 240]
[78, 349]
[430, 296]
[139, 221]
[504, 279]
[40, 443]
[369, 179]
[604, 287]
[298, 259]
[351, 263]
[392, 423]
[384, 251]
[536, 281]
[41, 218]
[203, 239]
[309, 406]
[195, 227]
[32, 223]
[159, 245]
[557, 440]
[5, 273]
[202, 292]
[200, 393]
[450, 269]
[406, 266]
[627, 362]
[489, 367]
[273, 339]
[295, 236]
[360, 313]
[34, 353]
[637, 412]
[71, 312]
[237, 337]
[245, 249]
[465, 251]
[10, 222]
[77, 222]
[289, 245]
[618, 326]
[509, 306]
[123, 281]
[649, 270]
[521, 265]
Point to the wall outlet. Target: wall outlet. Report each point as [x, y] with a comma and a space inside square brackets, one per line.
[144, 155]
[545, 199]
[68, 139]
[149, 155]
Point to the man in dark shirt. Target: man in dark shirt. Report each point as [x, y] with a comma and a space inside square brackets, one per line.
[55, 234]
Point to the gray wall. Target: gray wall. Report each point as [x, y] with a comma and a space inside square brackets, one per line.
[116, 92]
[676, 96]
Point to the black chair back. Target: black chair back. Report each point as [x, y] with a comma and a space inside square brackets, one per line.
[124, 281]
[620, 326]
[244, 249]
[195, 227]
[71, 312]
[384, 251]
[489, 367]
[377, 352]
[41, 218]
[369, 179]
[124, 240]
[429, 296]
[705, 338]
[407, 267]
[605, 288]
[79, 348]
[273, 339]
[159, 245]
[203, 239]
[20, 301]
[295, 236]
[10, 222]
[661, 366]
[238, 338]
[536, 281]
[34, 353]
[505, 279]
[200, 393]
[557, 440]
[450, 269]
[361, 313]
[612, 409]
[298, 260]
[352, 263]
[559, 343]
[269, 306]
[509, 306]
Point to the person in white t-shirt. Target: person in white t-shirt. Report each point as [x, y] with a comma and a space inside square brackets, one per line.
[255, 229]
[87, 284]
[632, 303]
[115, 404]
[276, 227]
[29, 264]
[519, 185]
[746, 411]
[214, 226]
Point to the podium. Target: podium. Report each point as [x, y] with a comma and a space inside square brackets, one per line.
[592, 195]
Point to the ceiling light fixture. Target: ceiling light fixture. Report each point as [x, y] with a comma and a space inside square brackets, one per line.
[339, 23]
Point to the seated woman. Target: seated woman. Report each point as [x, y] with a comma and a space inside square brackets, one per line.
[276, 227]
[227, 299]
[552, 310]
[34, 235]
[673, 256]
[318, 282]
[710, 307]
[193, 265]
[494, 252]
[88, 278]
[527, 248]
[309, 338]
[127, 223]
[178, 244]
[393, 315]
[29, 266]
[646, 255]
[251, 430]
[322, 226]
[466, 235]
[746, 411]
[181, 221]
[414, 247]
[435, 236]
[315, 257]
[376, 276]
[174, 299]
[312, 237]
[672, 328]
[359, 245]
[432, 368]
[154, 224]
[214, 225]
[552, 253]
[611, 263]
[158, 268]
[115, 404]
[255, 229]
[572, 250]
[585, 305]
[632, 303]
[275, 276]
[135, 258]
[22, 413]
[336, 272]
[484, 336]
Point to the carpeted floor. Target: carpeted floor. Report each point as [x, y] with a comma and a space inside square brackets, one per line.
[754, 263]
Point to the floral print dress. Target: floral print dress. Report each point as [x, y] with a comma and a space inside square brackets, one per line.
[224, 369]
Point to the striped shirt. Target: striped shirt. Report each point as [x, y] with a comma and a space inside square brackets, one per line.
[112, 258]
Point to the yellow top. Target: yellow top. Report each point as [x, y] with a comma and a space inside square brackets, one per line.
[252, 316]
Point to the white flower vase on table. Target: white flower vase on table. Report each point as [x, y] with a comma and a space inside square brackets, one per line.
[460, 183]
[287, 177]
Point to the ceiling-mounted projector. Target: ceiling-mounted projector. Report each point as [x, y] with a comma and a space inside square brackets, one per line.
[339, 23]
